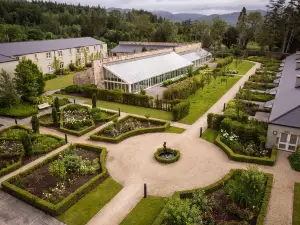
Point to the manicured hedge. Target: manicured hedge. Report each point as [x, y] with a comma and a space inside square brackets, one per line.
[63, 205]
[49, 76]
[167, 161]
[11, 168]
[181, 110]
[17, 126]
[258, 86]
[214, 121]
[224, 62]
[135, 132]
[19, 111]
[248, 159]
[254, 96]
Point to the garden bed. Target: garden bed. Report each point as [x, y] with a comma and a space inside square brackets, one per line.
[259, 86]
[61, 180]
[228, 201]
[254, 96]
[19, 111]
[12, 155]
[127, 127]
[263, 78]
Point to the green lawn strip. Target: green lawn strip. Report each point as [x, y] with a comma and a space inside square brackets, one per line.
[84, 210]
[243, 67]
[142, 111]
[210, 135]
[205, 98]
[175, 130]
[296, 214]
[145, 212]
[20, 110]
[60, 82]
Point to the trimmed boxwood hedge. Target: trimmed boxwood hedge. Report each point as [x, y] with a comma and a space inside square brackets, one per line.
[216, 186]
[249, 159]
[135, 132]
[17, 126]
[63, 205]
[181, 110]
[167, 161]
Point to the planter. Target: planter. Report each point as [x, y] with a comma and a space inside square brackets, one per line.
[171, 156]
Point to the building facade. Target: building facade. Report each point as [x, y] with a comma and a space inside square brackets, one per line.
[50, 55]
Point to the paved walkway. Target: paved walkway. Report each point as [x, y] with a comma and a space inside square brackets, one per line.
[131, 163]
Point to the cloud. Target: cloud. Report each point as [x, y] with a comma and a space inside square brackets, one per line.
[179, 6]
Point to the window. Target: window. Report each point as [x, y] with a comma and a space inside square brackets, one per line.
[288, 142]
[61, 65]
[87, 49]
[49, 68]
[48, 55]
[70, 51]
[36, 58]
[60, 54]
[78, 50]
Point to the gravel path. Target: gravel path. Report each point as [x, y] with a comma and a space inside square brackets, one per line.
[131, 163]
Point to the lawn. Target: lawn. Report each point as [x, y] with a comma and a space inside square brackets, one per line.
[145, 212]
[205, 98]
[210, 135]
[241, 66]
[20, 110]
[84, 210]
[175, 130]
[61, 81]
[296, 214]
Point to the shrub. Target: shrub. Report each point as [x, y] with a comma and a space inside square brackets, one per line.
[258, 86]
[26, 141]
[72, 67]
[54, 115]
[94, 101]
[224, 62]
[254, 96]
[214, 121]
[35, 124]
[49, 76]
[165, 160]
[295, 161]
[56, 104]
[181, 110]
[21, 110]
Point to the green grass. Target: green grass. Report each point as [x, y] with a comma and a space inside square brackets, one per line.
[175, 130]
[20, 110]
[205, 98]
[145, 212]
[61, 81]
[296, 214]
[242, 67]
[83, 210]
[210, 135]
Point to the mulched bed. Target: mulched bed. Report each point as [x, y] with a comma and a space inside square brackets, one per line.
[40, 179]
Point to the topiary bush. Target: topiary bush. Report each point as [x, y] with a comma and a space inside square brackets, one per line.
[94, 101]
[27, 144]
[181, 110]
[35, 124]
[54, 115]
[295, 161]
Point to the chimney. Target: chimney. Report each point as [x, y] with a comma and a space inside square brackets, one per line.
[297, 64]
[297, 81]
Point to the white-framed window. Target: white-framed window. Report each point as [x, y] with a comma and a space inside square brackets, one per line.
[288, 142]
[48, 55]
[60, 53]
[78, 50]
[36, 57]
[61, 65]
[70, 51]
[87, 49]
[50, 69]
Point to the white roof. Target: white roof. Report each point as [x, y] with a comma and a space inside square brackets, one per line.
[193, 56]
[141, 69]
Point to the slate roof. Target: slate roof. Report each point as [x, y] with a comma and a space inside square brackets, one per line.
[4, 59]
[124, 48]
[29, 47]
[145, 68]
[286, 108]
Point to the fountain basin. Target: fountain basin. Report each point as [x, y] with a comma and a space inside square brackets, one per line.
[170, 156]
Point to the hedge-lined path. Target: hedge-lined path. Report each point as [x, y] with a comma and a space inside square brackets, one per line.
[131, 163]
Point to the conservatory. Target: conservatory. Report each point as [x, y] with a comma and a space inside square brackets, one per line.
[134, 75]
[198, 58]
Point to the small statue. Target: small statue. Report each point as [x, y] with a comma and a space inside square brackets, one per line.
[165, 148]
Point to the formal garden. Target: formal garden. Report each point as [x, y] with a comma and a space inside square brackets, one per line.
[20, 146]
[241, 197]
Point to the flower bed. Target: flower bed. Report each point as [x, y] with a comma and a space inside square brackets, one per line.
[258, 86]
[160, 159]
[76, 119]
[254, 96]
[58, 182]
[241, 197]
[12, 155]
[263, 79]
[127, 127]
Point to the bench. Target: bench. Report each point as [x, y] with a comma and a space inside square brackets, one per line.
[44, 106]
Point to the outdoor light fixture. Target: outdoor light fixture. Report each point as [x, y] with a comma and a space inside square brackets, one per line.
[275, 132]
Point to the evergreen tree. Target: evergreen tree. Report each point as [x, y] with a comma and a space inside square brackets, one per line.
[56, 104]
[35, 124]
[94, 101]
[27, 144]
[54, 115]
[8, 92]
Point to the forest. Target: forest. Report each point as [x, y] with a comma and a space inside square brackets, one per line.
[278, 30]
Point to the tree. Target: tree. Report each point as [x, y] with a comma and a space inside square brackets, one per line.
[94, 101]
[230, 37]
[35, 123]
[27, 144]
[29, 79]
[56, 104]
[218, 30]
[144, 49]
[54, 115]
[8, 93]
[165, 32]
[241, 27]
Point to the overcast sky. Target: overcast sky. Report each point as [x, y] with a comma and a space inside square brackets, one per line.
[179, 6]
